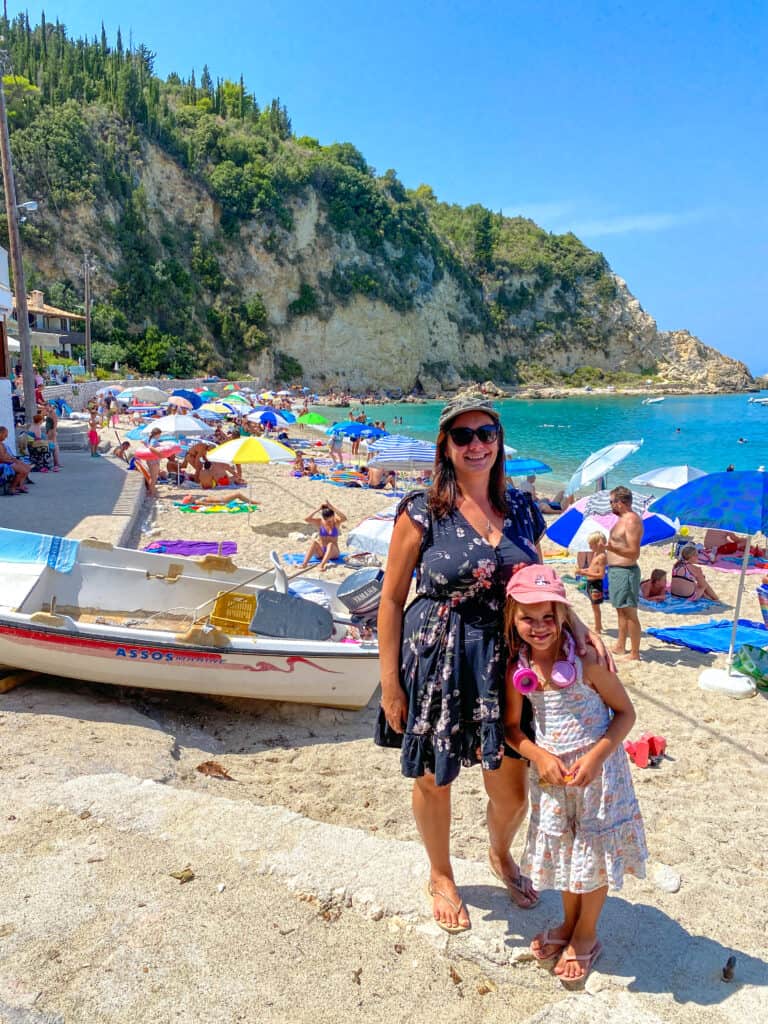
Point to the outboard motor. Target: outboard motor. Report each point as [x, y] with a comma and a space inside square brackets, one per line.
[361, 594]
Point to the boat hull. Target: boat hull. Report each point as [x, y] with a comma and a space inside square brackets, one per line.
[338, 675]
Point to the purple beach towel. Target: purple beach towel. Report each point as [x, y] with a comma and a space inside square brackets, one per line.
[192, 548]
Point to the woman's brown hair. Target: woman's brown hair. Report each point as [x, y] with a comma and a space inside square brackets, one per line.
[442, 495]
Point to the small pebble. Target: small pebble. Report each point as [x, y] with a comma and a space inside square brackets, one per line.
[220, 887]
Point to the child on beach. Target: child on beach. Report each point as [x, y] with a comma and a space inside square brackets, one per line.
[93, 438]
[585, 830]
[594, 575]
[655, 588]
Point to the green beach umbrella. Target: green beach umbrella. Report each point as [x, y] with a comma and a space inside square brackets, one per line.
[313, 418]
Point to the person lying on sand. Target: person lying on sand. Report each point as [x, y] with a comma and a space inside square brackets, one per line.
[211, 499]
[655, 588]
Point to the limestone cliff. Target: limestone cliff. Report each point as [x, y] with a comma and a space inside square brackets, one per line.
[443, 338]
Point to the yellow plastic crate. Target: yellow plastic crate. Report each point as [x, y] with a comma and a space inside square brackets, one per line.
[233, 612]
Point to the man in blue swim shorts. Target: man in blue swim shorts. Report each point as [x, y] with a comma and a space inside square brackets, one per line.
[623, 551]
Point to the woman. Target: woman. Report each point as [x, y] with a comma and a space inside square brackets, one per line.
[21, 470]
[688, 578]
[325, 545]
[442, 660]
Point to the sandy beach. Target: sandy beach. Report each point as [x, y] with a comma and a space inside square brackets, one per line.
[307, 902]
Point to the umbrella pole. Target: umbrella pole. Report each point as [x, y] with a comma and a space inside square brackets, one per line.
[739, 595]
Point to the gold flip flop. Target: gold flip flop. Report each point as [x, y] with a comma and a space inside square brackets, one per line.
[452, 929]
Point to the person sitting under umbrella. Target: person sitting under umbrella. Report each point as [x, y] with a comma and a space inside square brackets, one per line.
[688, 578]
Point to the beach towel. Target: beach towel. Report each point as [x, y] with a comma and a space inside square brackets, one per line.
[232, 506]
[39, 549]
[296, 558]
[728, 563]
[192, 548]
[714, 635]
[672, 605]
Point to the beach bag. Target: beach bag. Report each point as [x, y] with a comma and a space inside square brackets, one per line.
[752, 661]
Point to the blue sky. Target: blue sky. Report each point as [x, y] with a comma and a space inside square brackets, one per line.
[643, 131]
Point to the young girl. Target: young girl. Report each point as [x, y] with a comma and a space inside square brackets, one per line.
[93, 437]
[585, 830]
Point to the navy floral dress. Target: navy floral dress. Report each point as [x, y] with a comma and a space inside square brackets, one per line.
[451, 662]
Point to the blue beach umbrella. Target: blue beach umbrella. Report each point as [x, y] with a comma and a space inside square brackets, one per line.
[396, 451]
[737, 502]
[191, 396]
[592, 513]
[525, 467]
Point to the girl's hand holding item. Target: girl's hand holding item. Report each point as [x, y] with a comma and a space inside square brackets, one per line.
[585, 769]
[552, 771]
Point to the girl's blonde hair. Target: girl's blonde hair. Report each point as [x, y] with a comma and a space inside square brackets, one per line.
[512, 637]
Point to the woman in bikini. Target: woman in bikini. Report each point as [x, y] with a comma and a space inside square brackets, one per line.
[688, 579]
[325, 545]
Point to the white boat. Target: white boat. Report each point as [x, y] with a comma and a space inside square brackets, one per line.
[89, 611]
[757, 401]
[652, 401]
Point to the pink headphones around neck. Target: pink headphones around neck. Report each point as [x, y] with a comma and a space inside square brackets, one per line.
[563, 674]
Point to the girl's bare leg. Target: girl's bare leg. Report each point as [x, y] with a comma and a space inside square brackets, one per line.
[564, 930]
[584, 935]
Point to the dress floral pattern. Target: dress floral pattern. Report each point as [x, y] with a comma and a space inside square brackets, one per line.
[451, 663]
[581, 838]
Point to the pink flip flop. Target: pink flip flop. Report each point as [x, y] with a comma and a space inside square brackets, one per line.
[546, 940]
[587, 959]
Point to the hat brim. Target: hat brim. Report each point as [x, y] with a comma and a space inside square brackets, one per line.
[537, 597]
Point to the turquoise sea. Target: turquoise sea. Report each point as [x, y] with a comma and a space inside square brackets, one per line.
[563, 432]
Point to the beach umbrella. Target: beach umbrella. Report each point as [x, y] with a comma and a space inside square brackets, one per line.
[175, 425]
[398, 452]
[218, 407]
[268, 416]
[180, 403]
[246, 450]
[525, 467]
[509, 451]
[600, 463]
[111, 389]
[195, 401]
[668, 477]
[229, 387]
[588, 515]
[164, 450]
[313, 419]
[207, 394]
[209, 415]
[737, 502]
[288, 416]
[284, 393]
[374, 534]
[144, 393]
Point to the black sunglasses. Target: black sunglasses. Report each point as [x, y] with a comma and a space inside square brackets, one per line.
[462, 436]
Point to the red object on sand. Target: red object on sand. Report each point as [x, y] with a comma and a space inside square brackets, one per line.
[657, 745]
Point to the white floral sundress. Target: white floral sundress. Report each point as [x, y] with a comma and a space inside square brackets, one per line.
[580, 839]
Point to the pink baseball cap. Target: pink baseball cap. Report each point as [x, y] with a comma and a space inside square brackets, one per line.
[535, 583]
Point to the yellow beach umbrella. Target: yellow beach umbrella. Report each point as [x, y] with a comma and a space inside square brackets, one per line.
[244, 450]
[222, 410]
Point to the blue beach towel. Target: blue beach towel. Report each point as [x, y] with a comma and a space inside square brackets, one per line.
[681, 605]
[714, 635]
[38, 549]
[296, 558]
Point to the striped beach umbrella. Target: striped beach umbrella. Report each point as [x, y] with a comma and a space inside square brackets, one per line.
[396, 451]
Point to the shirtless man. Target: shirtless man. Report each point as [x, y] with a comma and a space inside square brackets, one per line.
[623, 551]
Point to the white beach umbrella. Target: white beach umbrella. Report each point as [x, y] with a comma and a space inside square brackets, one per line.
[600, 463]
[395, 452]
[374, 534]
[668, 477]
[177, 425]
[144, 393]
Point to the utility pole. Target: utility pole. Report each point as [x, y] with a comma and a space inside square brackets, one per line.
[14, 240]
[87, 268]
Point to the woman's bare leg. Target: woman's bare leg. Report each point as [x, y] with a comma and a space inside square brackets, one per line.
[315, 548]
[507, 790]
[432, 811]
[331, 551]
